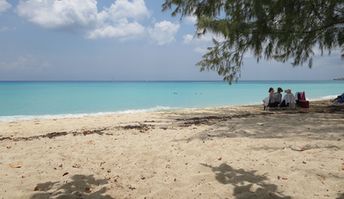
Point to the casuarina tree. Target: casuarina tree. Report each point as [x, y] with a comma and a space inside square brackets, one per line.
[282, 30]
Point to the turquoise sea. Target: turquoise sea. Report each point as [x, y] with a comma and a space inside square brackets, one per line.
[32, 99]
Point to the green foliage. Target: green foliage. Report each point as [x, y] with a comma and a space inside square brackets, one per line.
[269, 29]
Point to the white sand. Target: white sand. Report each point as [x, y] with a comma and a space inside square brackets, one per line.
[233, 152]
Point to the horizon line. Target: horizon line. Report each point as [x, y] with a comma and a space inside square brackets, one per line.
[157, 80]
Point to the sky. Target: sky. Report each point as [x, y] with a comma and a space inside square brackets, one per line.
[120, 40]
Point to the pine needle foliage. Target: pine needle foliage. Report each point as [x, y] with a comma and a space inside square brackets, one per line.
[282, 30]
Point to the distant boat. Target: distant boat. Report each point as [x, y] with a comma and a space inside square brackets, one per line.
[341, 78]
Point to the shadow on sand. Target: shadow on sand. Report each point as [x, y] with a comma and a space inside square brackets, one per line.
[321, 122]
[80, 186]
[340, 196]
[247, 184]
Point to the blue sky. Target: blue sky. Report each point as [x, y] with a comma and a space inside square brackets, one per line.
[119, 40]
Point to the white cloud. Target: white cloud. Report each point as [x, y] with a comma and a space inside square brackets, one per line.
[163, 32]
[193, 39]
[59, 14]
[4, 29]
[191, 20]
[120, 20]
[203, 39]
[335, 51]
[25, 62]
[121, 9]
[124, 30]
[188, 38]
[201, 43]
[4, 5]
[201, 50]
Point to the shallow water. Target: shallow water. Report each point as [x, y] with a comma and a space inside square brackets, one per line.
[22, 99]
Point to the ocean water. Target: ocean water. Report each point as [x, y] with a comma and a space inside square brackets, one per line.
[30, 99]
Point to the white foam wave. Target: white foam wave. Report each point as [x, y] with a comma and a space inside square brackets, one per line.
[327, 97]
[79, 115]
[157, 108]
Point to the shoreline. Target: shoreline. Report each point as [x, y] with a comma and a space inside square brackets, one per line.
[132, 111]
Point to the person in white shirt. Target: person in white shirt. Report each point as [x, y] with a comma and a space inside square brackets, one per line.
[289, 99]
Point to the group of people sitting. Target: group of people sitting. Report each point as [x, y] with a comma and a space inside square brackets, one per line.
[275, 99]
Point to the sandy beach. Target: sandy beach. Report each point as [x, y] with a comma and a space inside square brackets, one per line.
[228, 152]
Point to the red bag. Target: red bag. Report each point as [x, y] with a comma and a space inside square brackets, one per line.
[301, 100]
[304, 104]
[301, 96]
